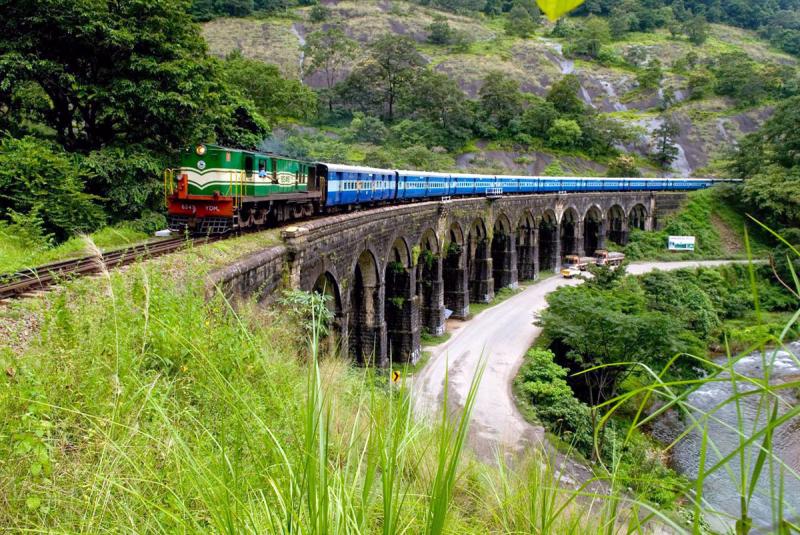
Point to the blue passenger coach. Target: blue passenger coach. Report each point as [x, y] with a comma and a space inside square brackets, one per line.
[345, 185]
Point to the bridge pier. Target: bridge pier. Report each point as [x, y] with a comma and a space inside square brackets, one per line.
[504, 257]
[481, 281]
[430, 284]
[527, 255]
[455, 278]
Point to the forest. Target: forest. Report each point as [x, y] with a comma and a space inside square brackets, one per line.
[92, 113]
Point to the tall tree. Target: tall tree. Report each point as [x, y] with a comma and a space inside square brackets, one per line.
[665, 150]
[395, 62]
[500, 100]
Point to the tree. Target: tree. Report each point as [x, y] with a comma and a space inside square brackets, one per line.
[696, 30]
[594, 34]
[41, 187]
[737, 77]
[665, 150]
[623, 166]
[564, 95]
[609, 327]
[437, 99]
[273, 95]
[124, 72]
[564, 134]
[520, 23]
[439, 31]
[395, 61]
[500, 100]
[538, 118]
[768, 162]
[329, 52]
[319, 13]
[650, 77]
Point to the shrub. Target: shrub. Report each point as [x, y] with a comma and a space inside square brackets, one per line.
[42, 186]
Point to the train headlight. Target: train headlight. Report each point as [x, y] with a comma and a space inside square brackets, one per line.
[200, 150]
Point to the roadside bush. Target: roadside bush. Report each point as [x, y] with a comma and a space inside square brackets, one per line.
[543, 384]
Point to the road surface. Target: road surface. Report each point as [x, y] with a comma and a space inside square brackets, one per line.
[502, 334]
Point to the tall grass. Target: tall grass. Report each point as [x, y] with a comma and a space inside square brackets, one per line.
[143, 408]
[772, 403]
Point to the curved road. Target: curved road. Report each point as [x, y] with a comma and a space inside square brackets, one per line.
[503, 334]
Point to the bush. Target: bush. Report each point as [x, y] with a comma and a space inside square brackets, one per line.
[542, 383]
[42, 187]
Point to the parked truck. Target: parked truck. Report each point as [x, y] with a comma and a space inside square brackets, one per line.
[609, 258]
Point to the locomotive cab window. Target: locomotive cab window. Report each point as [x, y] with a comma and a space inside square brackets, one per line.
[262, 168]
[248, 164]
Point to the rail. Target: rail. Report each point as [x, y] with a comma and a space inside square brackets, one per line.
[32, 280]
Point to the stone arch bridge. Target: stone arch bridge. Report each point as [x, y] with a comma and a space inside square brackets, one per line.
[393, 271]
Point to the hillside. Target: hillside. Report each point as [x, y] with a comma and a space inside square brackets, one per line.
[708, 125]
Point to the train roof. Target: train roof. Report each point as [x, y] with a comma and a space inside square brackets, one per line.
[423, 173]
[471, 175]
[356, 169]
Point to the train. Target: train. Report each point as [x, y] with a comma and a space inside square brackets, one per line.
[217, 189]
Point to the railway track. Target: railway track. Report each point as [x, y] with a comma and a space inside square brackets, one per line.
[29, 281]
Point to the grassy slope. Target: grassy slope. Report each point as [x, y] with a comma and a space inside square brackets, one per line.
[134, 405]
[707, 215]
[19, 252]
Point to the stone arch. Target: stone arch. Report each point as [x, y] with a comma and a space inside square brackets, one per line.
[401, 305]
[454, 272]
[479, 263]
[504, 254]
[527, 255]
[637, 218]
[367, 327]
[327, 285]
[570, 227]
[548, 241]
[593, 230]
[430, 287]
[617, 224]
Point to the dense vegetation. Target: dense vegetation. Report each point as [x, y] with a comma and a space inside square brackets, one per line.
[94, 99]
[607, 336]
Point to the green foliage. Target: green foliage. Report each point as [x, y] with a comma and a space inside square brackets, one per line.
[650, 77]
[318, 13]
[42, 187]
[542, 383]
[768, 162]
[564, 133]
[273, 95]
[439, 31]
[135, 74]
[623, 166]
[500, 101]
[737, 76]
[520, 23]
[665, 149]
[591, 38]
[367, 128]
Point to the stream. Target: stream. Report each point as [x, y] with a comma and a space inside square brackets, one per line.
[721, 488]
